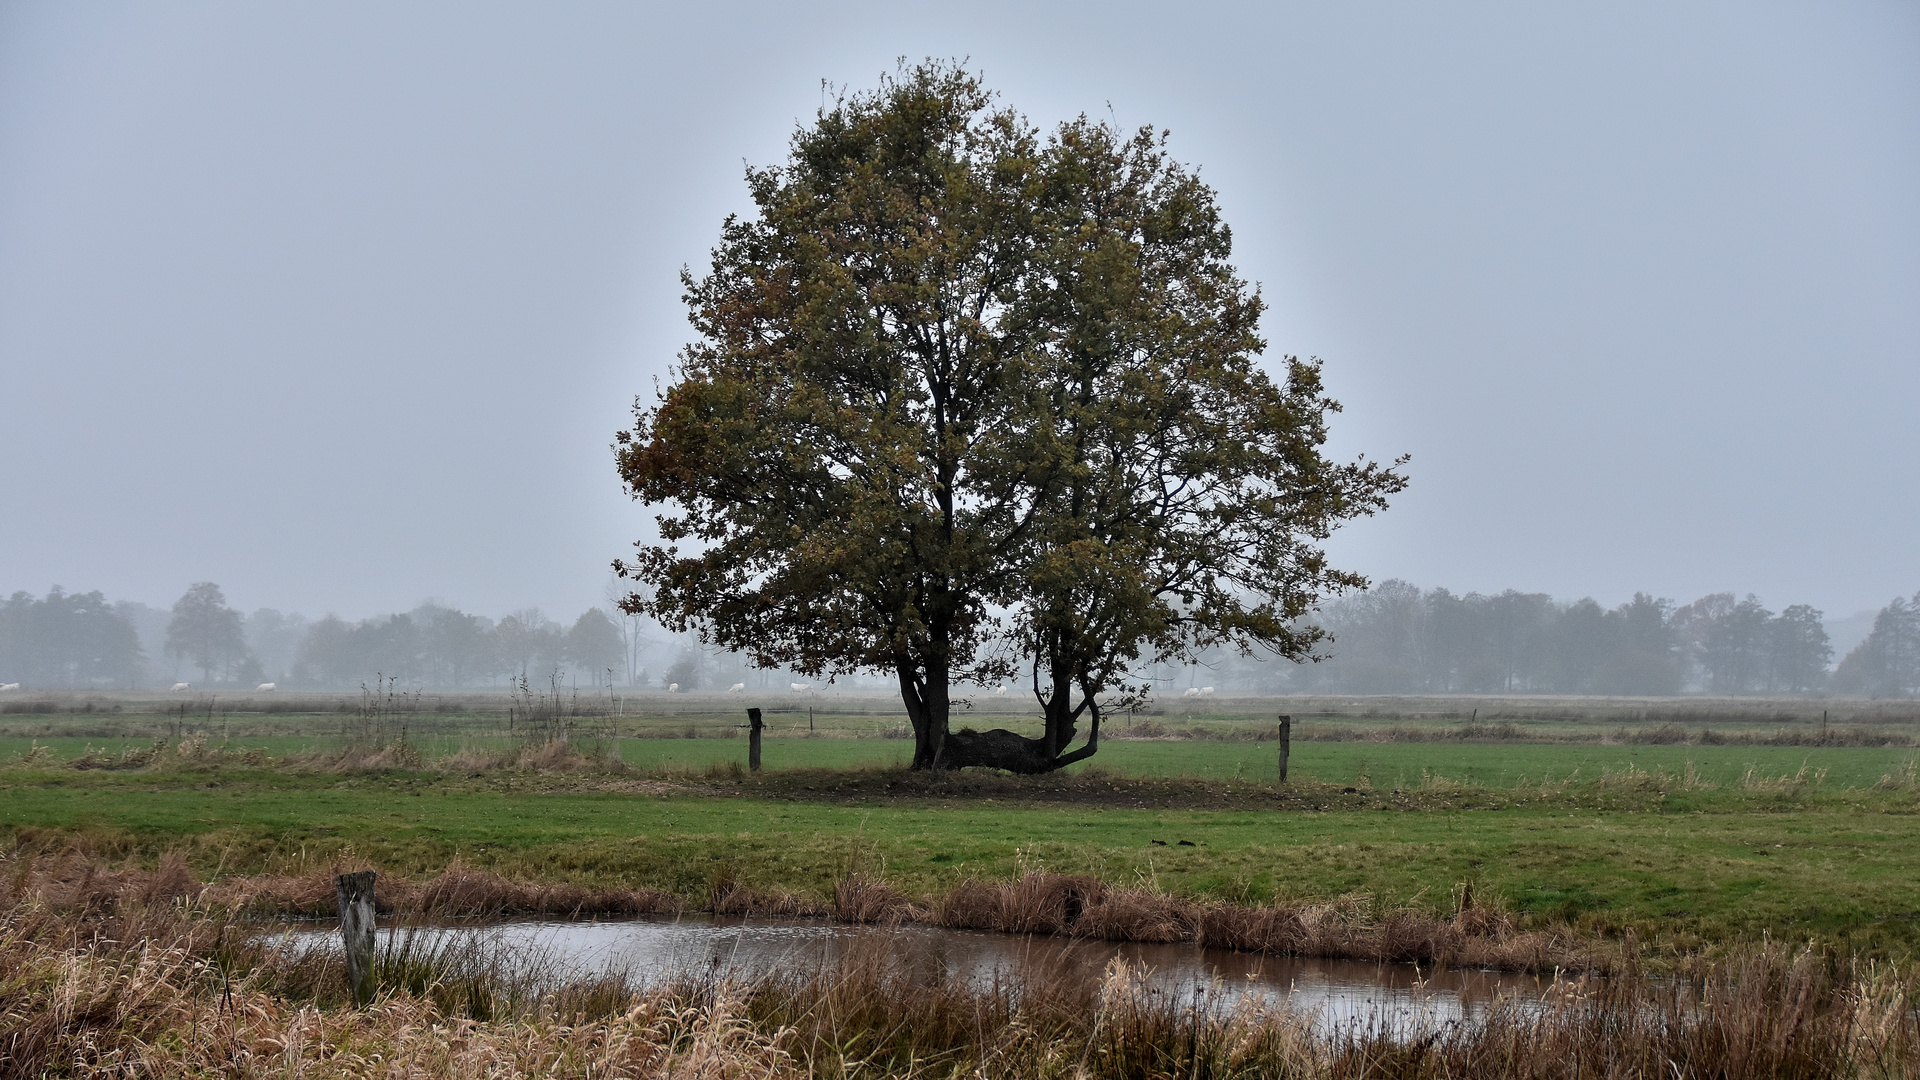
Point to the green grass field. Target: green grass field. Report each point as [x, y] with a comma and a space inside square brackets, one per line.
[1737, 851]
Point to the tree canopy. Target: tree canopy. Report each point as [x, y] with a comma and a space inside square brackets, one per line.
[67, 640]
[205, 632]
[968, 403]
[1887, 663]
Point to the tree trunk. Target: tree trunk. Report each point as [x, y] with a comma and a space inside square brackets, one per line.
[753, 740]
[928, 706]
[916, 715]
[1002, 749]
[939, 705]
[1059, 713]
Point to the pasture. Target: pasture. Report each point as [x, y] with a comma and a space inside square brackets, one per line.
[1379, 764]
[1691, 846]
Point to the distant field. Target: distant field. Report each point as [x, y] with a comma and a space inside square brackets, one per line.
[1385, 765]
[871, 711]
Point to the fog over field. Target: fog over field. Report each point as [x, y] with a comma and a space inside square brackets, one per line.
[340, 308]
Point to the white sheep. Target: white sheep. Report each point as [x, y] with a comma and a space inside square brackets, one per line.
[264, 686]
[673, 688]
[800, 687]
[1192, 691]
[1206, 691]
[181, 686]
[9, 686]
[1001, 689]
[736, 688]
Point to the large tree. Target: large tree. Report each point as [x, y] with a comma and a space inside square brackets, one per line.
[958, 389]
[594, 643]
[1175, 493]
[205, 632]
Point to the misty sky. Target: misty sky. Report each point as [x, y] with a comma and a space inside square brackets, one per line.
[340, 305]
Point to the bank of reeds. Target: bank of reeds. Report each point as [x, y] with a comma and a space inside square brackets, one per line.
[151, 988]
[1353, 927]
[76, 881]
[1349, 928]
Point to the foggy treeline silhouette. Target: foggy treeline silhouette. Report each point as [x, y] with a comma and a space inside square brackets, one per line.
[78, 641]
[1397, 638]
[66, 639]
[1393, 638]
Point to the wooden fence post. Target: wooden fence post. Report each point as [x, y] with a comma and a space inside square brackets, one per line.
[753, 740]
[1286, 743]
[355, 892]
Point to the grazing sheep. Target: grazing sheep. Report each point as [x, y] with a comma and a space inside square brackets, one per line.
[736, 688]
[673, 688]
[800, 687]
[181, 686]
[9, 686]
[1001, 689]
[263, 686]
[1192, 691]
[1206, 691]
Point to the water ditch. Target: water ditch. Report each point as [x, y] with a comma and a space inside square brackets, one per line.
[1335, 995]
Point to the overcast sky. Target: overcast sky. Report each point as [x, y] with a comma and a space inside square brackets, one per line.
[340, 305]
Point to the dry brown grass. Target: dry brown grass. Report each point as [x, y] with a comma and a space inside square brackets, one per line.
[727, 895]
[1349, 928]
[73, 880]
[858, 898]
[552, 755]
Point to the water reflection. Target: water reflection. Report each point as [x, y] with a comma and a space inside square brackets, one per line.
[1336, 993]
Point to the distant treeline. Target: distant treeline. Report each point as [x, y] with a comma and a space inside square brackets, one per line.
[1397, 638]
[1393, 638]
[80, 641]
[67, 639]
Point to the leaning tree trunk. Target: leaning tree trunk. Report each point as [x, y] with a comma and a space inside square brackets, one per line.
[1003, 749]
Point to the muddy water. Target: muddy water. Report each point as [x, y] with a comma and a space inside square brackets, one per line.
[1335, 993]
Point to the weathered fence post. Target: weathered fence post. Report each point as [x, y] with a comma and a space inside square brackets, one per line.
[355, 892]
[753, 740]
[1286, 743]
